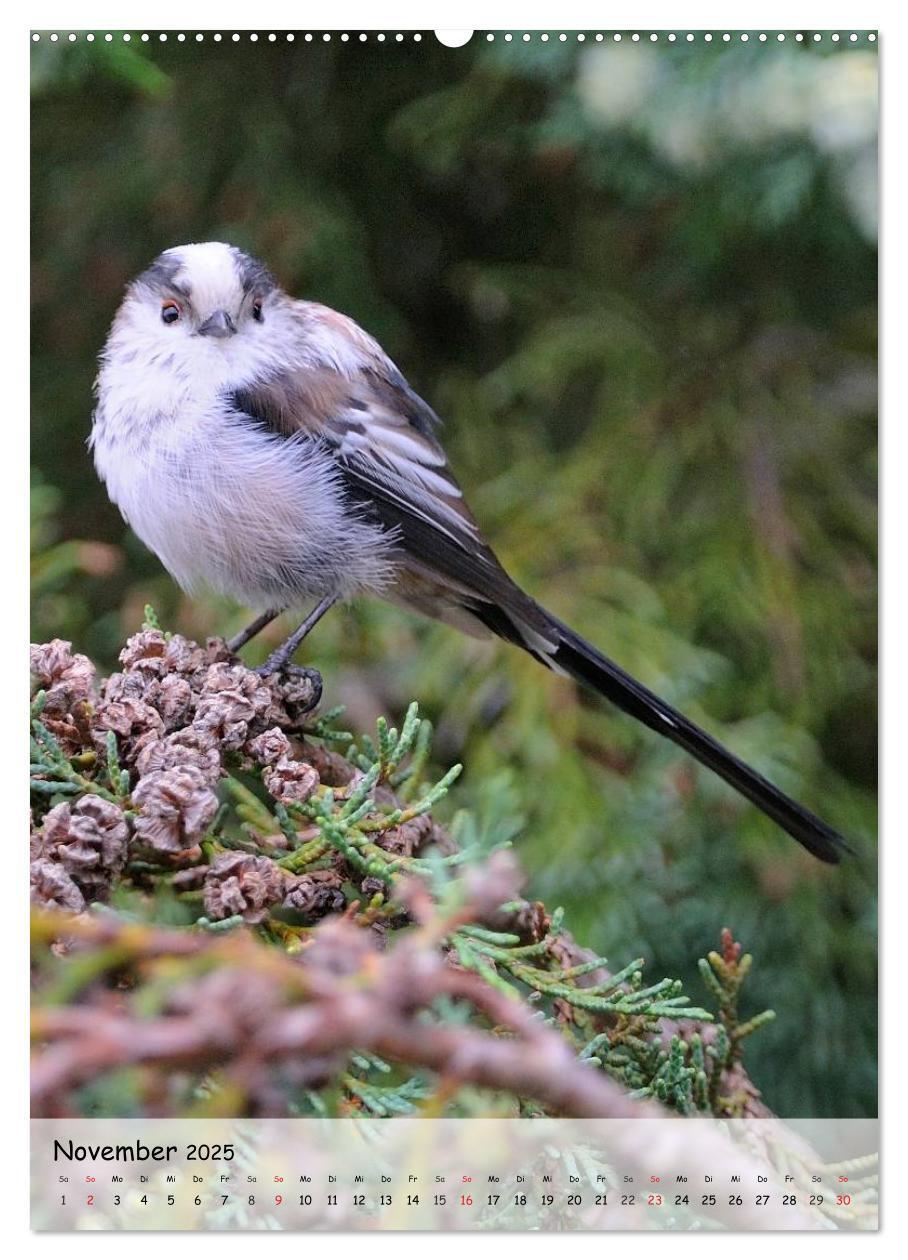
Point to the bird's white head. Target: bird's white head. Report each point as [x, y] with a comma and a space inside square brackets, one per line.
[201, 318]
[213, 292]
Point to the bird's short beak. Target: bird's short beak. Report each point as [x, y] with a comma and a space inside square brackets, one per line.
[218, 325]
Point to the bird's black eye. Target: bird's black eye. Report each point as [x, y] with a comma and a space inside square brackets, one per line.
[170, 312]
[257, 310]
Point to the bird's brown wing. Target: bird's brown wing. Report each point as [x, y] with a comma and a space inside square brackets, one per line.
[382, 436]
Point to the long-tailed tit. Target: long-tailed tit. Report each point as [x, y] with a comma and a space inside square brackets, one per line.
[269, 449]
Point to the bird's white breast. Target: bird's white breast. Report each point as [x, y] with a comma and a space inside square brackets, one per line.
[223, 503]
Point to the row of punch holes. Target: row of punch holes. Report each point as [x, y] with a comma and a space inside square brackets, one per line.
[544, 37]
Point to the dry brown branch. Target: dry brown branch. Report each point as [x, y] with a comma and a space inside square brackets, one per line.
[340, 995]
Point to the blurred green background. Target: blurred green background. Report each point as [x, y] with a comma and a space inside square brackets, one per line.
[639, 283]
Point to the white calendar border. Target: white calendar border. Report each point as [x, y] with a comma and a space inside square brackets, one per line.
[529, 15]
[495, 15]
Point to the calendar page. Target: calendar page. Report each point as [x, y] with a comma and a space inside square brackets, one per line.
[453, 666]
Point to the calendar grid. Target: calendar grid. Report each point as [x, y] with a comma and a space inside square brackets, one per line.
[453, 1175]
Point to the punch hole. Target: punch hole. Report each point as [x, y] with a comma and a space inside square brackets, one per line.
[453, 39]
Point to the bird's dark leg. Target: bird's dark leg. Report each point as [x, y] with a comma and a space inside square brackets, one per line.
[241, 639]
[279, 658]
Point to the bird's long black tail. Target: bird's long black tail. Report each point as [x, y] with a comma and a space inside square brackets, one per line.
[589, 666]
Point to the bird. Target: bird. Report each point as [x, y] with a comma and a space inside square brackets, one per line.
[268, 449]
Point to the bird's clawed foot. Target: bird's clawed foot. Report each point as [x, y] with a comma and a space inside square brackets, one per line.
[301, 688]
[277, 663]
[278, 660]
